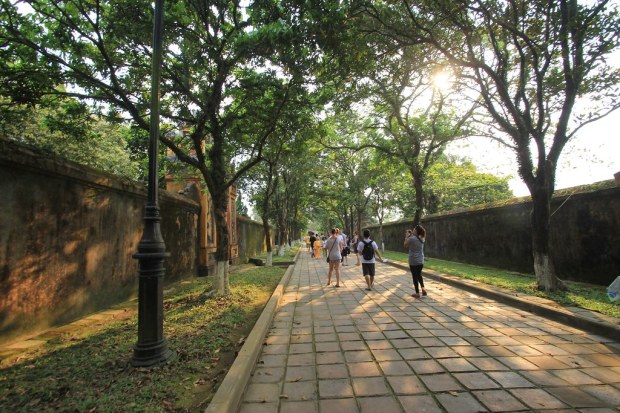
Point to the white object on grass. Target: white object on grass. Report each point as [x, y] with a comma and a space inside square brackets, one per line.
[613, 291]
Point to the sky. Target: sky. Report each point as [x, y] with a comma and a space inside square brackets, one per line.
[593, 155]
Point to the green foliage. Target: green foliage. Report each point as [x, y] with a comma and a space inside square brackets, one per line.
[454, 184]
[66, 128]
[242, 210]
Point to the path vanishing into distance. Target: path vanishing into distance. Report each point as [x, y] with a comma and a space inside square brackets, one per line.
[341, 350]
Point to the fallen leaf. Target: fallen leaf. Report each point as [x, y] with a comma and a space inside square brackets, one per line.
[268, 373]
[283, 396]
[298, 378]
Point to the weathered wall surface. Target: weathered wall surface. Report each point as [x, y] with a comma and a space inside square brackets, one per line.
[67, 236]
[585, 235]
[251, 238]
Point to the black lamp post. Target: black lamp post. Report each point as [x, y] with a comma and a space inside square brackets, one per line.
[151, 348]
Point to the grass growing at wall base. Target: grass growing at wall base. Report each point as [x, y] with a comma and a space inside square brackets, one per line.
[288, 256]
[91, 371]
[588, 296]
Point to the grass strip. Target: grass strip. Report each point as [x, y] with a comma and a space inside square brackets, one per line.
[287, 257]
[91, 372]
[589, 296]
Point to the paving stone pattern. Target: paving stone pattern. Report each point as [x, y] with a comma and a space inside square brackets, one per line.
[348, 350]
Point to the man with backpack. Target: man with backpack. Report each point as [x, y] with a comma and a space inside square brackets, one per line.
[368, 249]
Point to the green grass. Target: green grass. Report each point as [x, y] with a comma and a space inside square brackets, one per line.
[92, 372]
[588, 296]
[287, 257]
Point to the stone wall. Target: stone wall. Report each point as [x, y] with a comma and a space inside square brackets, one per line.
[585, 234]
[67, 236]
[251, 238]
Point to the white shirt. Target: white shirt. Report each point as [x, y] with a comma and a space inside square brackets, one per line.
[360, 248]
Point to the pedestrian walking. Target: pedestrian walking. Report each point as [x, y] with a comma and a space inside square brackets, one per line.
[312, 239]
[345, 250]
[318, 244]
[414, 241]
[324, 241]
[354, 242]
[334, 248]
[369, 249]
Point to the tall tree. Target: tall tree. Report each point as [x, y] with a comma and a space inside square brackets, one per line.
[542, 69]
[210, 84]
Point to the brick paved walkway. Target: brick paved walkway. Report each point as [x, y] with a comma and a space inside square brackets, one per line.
[340, 350]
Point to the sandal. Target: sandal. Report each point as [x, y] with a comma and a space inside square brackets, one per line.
[424, 292]
[416, 295]
[368, 289]
[337, 286]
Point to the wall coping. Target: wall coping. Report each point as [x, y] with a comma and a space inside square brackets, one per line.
[37, 160]
[594, 189]
[248, 220]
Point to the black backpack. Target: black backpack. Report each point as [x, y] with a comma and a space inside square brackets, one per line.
[368, 252]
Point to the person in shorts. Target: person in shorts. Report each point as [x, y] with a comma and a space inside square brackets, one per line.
[368, 249]
[334, 248]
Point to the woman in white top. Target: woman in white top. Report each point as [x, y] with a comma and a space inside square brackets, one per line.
[334, 248]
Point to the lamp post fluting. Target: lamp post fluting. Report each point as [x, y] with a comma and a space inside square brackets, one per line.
[151, 348]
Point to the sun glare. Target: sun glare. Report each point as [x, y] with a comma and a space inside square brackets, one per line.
[442, 80]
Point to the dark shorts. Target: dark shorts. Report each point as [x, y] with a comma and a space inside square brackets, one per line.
[368, 269]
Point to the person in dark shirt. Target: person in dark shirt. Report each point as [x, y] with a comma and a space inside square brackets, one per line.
[312, 239]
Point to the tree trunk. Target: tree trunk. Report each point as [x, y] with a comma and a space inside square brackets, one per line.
[544, 268]
[220, 203]
[267, 230]
[282, 237]
[419, 197]
[351, 222]
[382, 246]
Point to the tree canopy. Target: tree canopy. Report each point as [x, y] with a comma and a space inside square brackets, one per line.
[329, 109]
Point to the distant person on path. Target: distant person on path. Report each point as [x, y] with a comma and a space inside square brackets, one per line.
[324, 242]
[368, 249]
[312, 239]
[308, 242]
[414, 241]
[318, 244]
[354, 242]
[334, 247]
[345, 250]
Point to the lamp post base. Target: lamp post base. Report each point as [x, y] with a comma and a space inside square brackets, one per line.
[151, 355]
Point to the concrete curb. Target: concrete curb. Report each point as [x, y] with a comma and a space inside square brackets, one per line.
[227, 399]
[524, 302]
